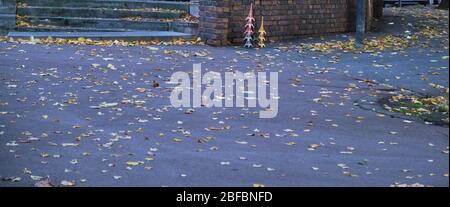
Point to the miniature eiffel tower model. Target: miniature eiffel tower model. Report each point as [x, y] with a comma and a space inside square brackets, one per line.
[248, 38]
[262, 35]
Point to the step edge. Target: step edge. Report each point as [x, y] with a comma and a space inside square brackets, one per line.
[107, 19]
[93, 8]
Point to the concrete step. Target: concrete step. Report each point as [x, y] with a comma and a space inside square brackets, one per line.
[130, 36]
[5, 10]
[7, 23]
[98, 12]
[123, 4]
[49, 28]
[141, 24]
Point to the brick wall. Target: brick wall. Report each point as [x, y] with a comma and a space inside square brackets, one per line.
[222, 21]
[214, 21]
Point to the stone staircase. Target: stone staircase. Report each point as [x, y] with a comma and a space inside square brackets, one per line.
[104, 19]
[7, 16]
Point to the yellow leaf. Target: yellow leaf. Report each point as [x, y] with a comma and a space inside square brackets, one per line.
[291, 143]
[133, 163]
[256, 185]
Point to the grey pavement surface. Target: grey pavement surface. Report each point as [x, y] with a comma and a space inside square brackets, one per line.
[321, 136]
